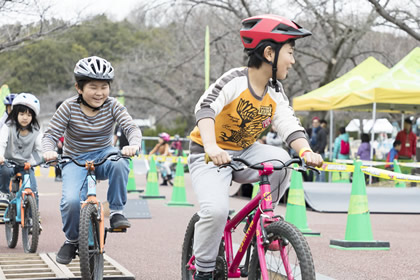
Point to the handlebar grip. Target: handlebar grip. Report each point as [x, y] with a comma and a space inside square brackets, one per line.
[207, 158]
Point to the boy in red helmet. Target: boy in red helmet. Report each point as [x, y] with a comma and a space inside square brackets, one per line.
[231, 115]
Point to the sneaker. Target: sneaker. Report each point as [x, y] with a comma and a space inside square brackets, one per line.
[203, 275]
[67, 253]
[58, 179]
[119, 221]
[164, 183]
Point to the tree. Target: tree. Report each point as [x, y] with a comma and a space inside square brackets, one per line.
[15, 35]
[402, 18]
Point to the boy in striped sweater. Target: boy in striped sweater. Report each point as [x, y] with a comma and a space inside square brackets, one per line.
[87, 121]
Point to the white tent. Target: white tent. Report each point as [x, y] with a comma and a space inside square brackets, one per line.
[380, 126]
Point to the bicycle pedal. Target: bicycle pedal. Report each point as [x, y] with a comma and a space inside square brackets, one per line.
[116, 230]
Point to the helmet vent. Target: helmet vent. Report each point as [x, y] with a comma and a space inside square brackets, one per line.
[250, 24]
[283, 28]
[247, 40]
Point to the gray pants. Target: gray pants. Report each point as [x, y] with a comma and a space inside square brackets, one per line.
[211, 186]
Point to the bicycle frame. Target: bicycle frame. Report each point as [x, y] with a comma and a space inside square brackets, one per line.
[263, 215]
[24, 190]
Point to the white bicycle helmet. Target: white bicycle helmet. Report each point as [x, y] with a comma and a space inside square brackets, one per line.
[28, 100]
[93, 67]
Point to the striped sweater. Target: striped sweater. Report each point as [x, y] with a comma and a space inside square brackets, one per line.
[84, 134]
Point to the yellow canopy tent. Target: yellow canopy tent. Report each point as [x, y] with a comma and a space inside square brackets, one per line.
[322, 98]
[397, 90]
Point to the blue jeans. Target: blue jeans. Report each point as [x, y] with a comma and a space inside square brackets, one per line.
[6, 173]
[74, 177]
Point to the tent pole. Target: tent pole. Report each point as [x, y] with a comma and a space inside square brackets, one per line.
[402, 120]
[372, 137]
[331, 141]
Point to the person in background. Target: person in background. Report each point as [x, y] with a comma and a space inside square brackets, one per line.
[313, 131]
[393, 154]
[162, 149]
[8, 100]
[20, 141]
[323, 124]
[319, 147]
[364, 149]
[342, 145]
[273, 138]
[120, 138]
[177, 146]
[408, 141]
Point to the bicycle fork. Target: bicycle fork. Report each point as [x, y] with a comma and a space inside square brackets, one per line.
[267, 217]
[91, 199]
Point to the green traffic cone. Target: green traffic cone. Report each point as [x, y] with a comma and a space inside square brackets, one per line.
[179, 197]
[152, 185]
[131, 183]
[296, 207]
[255, 189]
[359, 230]
[397, 169]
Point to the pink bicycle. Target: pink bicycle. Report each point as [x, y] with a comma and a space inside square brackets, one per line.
[275, 249]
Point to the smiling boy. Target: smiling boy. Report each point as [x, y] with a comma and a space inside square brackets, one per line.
[87, 123]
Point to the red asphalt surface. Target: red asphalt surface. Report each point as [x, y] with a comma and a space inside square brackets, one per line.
[151, 249]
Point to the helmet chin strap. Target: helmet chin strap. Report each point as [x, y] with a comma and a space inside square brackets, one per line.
[274, 66]
[81, 100]
[273, 82]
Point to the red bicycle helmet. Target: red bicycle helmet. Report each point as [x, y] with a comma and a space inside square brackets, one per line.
[269, 27]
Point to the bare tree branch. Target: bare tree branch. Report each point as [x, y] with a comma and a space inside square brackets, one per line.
[32, 37]
[394, 20]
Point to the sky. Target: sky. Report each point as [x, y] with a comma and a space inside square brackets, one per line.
[70, 9]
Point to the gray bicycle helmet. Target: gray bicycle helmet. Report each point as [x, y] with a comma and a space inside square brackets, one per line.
[95, 68]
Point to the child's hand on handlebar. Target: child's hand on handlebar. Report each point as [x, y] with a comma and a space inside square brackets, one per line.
[50, 155]
[130, 151]
[217, 155]
[313, 159]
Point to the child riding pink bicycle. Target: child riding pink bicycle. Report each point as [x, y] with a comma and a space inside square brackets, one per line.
[231, 115]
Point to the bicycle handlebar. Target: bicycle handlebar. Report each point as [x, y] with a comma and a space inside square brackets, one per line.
[11, 163]
[65, 159]
[259, 166]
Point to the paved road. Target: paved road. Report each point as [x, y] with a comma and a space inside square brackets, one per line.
[151, 249]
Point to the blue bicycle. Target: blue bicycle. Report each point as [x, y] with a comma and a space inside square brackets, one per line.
[22, 209]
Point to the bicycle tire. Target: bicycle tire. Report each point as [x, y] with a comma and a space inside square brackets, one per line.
[30, 229]
[301, 262]
[187, 252]
[11, 227]
[187, 248]
[91, 260]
